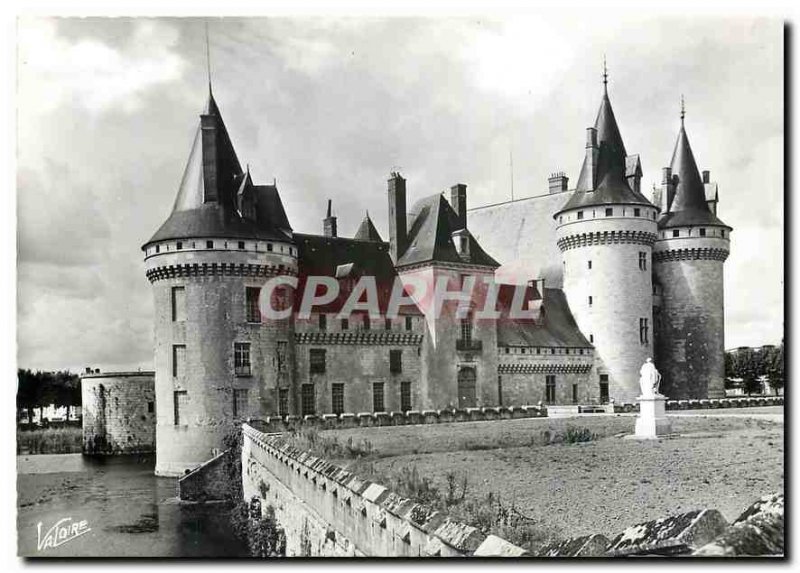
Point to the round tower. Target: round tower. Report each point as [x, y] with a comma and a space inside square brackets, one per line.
[216, 362]
[605, 233]
[688, 259]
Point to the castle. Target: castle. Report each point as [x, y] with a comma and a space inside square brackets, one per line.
[610, 277]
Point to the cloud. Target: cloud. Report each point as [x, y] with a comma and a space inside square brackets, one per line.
[97, 75]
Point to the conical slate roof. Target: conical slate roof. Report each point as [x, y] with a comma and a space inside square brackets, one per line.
[609, 185]
[688, 206]
[367, 231]
[206, 204]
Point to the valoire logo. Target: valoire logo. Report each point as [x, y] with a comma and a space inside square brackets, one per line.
[64, 530]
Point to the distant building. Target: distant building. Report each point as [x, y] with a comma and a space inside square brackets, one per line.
[610, 277]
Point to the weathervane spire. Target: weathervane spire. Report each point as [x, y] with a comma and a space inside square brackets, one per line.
[605, 74]
[683, 109]
[208, 59]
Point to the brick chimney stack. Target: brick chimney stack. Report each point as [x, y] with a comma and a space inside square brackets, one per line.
[557, 182]
[592, 156]
[398, 235]
[458, 199]
[329, 223]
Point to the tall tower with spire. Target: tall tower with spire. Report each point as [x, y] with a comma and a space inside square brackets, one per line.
[605, 233]
[688, 259]
[216, 361]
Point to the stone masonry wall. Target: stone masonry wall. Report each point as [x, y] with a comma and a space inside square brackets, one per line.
[118, 412]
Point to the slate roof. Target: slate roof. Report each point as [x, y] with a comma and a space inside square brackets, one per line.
[431, 224]
[557, 328]
[688, 206]
[194, 216]
[347, 260]
[367, 231]
[613, 164]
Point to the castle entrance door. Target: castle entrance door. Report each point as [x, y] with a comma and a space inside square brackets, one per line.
[466, 388]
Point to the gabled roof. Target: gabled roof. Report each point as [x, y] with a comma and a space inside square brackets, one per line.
[206, 204]
[347, 260]
[557, 328]
[688, 206]
[609, 184]
[431, 224]
[367, 231]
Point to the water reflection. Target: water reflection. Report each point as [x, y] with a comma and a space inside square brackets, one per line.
[131, 512]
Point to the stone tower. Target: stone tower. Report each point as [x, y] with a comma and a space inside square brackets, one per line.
[605, 233]
[688, 257]
[216, 361]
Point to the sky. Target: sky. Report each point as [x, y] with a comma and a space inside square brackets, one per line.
[107, 108]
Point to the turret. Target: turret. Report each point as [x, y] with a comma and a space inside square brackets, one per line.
[605, 232]
[688, 259]
[216, 361]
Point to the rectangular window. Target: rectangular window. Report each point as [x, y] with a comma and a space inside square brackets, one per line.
[637, 212]
[702, 232]
[574, 393]
[377, 397]
[591, 338]
[550, 388]
[307, 405]
[252, 294]
[269, 247]
[387, 325]
[395, 361]
[241, 245]
[500, 390]
[642, 261]
[178, 361]
[337, 398]
[241, 358]
[609, 211]
[316, 360]
[408, 323]
[466, 329]
[178, 304]
[580, 214]
[283, 402]
[181, 400]
[323, 322]
[676, 233]
[643, 338]
[345, 324]
[604, 388]
[591, 300]
[239, 402]
[151, 407]
[179, 245]
[209, 244]
[405, 396]
[280, 355]
[589, 264]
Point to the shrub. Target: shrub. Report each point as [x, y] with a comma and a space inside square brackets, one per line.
[575, 435]
[50, 441]
[262, 534]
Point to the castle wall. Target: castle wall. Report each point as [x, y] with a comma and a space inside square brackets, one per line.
[621, 291]
[444, 356]
[118, 412]
[523, 377]
[690, 350]
[215, 318]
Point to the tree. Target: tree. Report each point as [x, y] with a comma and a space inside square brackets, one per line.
[775, 368]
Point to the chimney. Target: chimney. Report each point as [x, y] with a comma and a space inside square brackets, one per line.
[557, 182]
[88, 370]
[458, 199]
[706, 176]
[668, 189]
[592, 156]
[208, 125]
[329, 223]
[397, 216]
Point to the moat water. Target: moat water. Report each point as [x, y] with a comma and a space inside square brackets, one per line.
[128, 510]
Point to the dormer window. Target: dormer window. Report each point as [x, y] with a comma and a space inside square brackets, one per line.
[609, 211]
[580, 215]
[209, 244]
[461, 242]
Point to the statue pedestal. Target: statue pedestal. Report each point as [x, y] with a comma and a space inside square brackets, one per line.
[652, 420]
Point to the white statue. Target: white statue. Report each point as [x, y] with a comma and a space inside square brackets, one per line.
[649, 379]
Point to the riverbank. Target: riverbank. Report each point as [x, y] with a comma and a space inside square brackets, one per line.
[49, 441]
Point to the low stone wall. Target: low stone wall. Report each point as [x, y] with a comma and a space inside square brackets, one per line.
[328, 511]
[207, 481]
[277, 424]
[738, 402]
